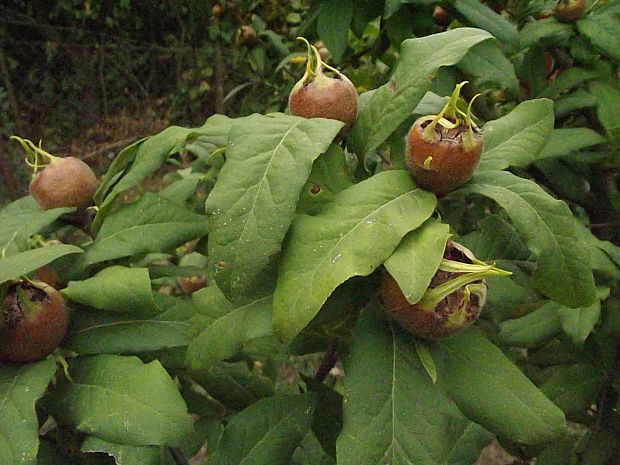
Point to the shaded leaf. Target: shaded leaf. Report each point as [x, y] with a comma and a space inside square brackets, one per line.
[333, 25]
[267, 432]
[121, 400]
[564, 141]
[493, 392]
[350, 237]
[123, 454]
[480, 15]
[488, 64]
[607, 108]
[125, 231]
[547, 31]
[603, 30]
[533, 329]
[546, 225]
[20, 388]
[24, 262]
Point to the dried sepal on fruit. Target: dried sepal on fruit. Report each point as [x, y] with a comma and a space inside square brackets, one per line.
[63, 182]
[317, 95]
[443, 150]
[453, 300]
[34, 319]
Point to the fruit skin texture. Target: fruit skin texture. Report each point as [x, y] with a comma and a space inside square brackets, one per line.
[33, 330]
[453, 161]
[567, 11]
[66, 182]
[325, 97]
[447, 317]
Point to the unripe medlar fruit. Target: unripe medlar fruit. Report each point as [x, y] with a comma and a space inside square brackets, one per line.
[317, 95]
[33, 322]
[453, 300]
[63, 182]
[568, 11]
[444, 150]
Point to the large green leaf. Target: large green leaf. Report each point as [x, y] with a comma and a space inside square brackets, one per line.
[572, 77]
[488, 64]
[151, 224]
[578, 323]
[532, 329]
[351, 236]
[227, 333]
[480, 15]
[123, 454]
[414, 263]
[136, 163]
[393, 103]
[603, 30]
[493, 392]
[546, 225]
[564, 141]
[577, 100]
[21, 220]
[393, 413]
[122, 400]
[116, 288]
[253, 203]
[333, 25]
[268, 432]
[20, 388]
[24, 262]
[105, 333]
[516, 139]
[607, 108]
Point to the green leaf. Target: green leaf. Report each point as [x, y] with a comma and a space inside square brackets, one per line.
[123, 454]
[116, 288]
[351, 236]
[253, 203]
[136, 163]
[182, 189]
[546, 225]
[333, 25]
[24, 262]
[480, 15]
[227, 333]
[574, 101]
[516, 139]
[105, 333]
[393, 103]
[488, 64]
[20, 388]
[493, 392]
[310, 452]
[573, 388]
[547, 31]
[125, 231]
[426, 358]
[267, 432]
[121, 400]
[532, 329]
[578, 323]
[607, 108]
[393, 413]
[603, 30]
[572, 77]
[565, 141]
[22, 219]
[416, 260]
[329, 176]
[496, 239]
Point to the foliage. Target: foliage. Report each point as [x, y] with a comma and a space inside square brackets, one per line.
[292, 227]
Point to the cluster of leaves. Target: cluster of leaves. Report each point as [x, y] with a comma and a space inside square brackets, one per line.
[292, 234]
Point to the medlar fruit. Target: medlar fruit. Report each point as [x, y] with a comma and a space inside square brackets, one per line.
[33, 322]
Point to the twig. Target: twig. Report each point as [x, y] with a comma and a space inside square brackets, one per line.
[329, 360]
